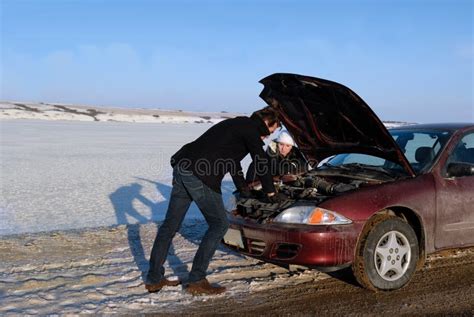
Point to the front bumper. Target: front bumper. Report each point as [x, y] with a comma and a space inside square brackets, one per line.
[323, 247]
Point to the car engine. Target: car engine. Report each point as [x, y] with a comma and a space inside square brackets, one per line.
[307, 187]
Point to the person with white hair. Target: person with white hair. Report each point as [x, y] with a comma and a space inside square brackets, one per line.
[283, 157]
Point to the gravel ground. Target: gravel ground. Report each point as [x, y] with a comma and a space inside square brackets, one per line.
[100, 271]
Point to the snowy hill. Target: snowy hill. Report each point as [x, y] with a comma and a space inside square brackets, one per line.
[49, 111]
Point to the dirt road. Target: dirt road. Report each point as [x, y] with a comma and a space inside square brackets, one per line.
[445, 286]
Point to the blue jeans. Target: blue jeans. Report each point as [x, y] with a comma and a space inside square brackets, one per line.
[186, 189]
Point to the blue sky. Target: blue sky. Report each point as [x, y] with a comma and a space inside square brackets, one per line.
[409, 60]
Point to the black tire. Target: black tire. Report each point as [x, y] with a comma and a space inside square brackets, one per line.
[387, 254]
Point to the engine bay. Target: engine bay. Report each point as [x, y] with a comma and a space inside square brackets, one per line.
[312, 186]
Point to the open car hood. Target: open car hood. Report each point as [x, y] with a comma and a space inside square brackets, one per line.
[327, 118]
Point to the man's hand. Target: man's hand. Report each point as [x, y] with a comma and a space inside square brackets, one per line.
[275, 198]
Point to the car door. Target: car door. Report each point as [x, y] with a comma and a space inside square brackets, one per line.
[455, 198]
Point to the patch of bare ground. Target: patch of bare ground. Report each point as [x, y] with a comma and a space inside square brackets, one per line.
[90, 112]
[27, 108]
[444, 286]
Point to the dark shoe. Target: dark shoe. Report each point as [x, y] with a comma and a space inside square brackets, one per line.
[153, 288]
[203, 287]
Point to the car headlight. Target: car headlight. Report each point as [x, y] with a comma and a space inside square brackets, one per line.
[311, 215]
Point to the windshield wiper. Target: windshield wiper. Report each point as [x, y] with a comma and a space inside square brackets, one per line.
[327, 164]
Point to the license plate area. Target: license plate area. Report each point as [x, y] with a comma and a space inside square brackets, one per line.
[233, 237]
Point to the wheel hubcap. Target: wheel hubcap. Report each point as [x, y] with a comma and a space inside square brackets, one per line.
[392, 255]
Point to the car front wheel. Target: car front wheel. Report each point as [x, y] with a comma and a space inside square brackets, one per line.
[387, 254]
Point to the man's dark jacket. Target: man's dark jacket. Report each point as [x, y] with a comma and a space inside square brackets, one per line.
[221, 148]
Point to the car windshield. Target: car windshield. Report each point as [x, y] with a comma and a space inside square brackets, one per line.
[421, 148]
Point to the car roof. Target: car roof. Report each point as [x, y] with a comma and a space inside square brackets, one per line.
[453, 126]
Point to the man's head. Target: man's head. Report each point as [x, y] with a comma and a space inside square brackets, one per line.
[270, 117]
[285, 143]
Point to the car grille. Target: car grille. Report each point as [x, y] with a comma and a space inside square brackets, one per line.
[256, 246]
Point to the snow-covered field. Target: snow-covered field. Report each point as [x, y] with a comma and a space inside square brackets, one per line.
[64, 175]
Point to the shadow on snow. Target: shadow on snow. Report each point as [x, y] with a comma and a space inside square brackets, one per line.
[123, 200]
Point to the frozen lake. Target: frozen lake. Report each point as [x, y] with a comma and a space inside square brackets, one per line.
[65, 175]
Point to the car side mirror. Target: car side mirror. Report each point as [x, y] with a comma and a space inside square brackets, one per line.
[460, 169]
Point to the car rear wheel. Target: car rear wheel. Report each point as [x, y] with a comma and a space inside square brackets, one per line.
[387, 254]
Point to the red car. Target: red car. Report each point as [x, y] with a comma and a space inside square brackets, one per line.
[375, 200]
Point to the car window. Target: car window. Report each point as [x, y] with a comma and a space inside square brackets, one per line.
[464, 151]
[421, 148]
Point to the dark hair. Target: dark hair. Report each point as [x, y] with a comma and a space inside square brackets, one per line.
[268, 114]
